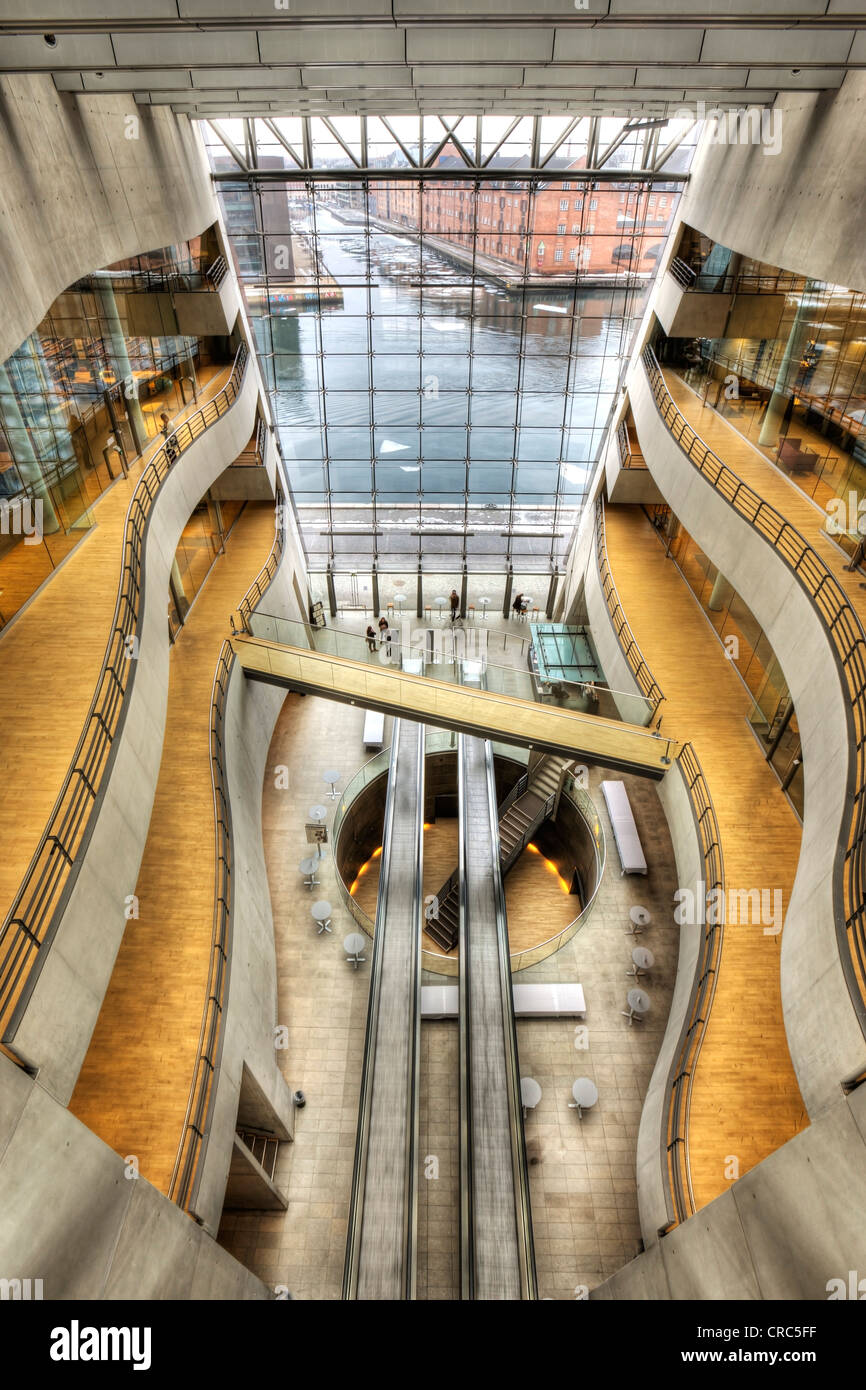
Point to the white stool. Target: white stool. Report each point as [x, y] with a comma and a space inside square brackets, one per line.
[585, 1094]
[638, 1004]
[308, 867]
[639, 918]
[530, 1093]
[322, 915]
[353, 945]
[332, 778]
[643, 960]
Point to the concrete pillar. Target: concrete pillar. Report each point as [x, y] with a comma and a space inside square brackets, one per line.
[780, 399]
[721, 594]
[108, 306]
[22, 451]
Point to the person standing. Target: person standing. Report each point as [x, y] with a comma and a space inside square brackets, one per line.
[371, 638]
[517, 605]
[165, 425]
[383, 629]
[455, 605]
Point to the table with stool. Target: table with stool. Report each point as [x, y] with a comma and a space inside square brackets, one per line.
[321, 912]
[530, 1093]
[484, 605]
[643, 960]
[638, 1005]
[332, 778]
[440, 607]
[353, 945]
[585, 1094]
[639, 918]
[308, 867]
[318, 813]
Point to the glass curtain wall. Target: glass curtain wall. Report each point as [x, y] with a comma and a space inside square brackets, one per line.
[795, 351]
[772, 715]
[79, 399]
[442, 355]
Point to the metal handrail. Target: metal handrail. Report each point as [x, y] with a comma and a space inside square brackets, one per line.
[260, 585]
[679, 1196]
[631, 651]
[682, 273]
[33, 919]
[217, 271]
[745, 282]
[848, 641]
[186, 1175]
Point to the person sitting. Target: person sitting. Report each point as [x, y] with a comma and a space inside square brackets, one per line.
[517, 605]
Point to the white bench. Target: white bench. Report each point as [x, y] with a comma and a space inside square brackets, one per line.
[374, 729]
[631, 856]
[530, 1001]
[549, 1001]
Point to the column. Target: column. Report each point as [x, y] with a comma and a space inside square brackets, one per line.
[108, 306]
[21, 448]
[781, 398]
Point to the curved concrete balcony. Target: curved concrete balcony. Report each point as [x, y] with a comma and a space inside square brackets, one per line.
[796, 592]
[60, 938]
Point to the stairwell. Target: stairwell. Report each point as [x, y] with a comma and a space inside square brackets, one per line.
[532, 801]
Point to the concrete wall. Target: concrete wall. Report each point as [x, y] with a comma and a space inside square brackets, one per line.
[793, 1223]
[626, 485]
[801, 209]
[251, 1013]
[78, 195]
[814, 990]
[55, 1032]
[71, 1217]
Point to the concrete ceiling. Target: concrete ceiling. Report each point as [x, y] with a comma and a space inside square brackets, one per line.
[246, 57]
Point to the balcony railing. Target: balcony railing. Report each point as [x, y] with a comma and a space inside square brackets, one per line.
[675, 1159]
[186, 1175]
[848, 641]
[630, 649]
[702, 282]
[35, 915]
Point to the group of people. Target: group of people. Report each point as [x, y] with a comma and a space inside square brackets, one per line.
[384, 638]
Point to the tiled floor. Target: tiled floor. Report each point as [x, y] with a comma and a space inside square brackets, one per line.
[582, 1173]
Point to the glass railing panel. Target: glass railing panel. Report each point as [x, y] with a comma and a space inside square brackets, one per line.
[416, 657]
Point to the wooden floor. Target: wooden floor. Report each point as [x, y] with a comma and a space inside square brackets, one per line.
[536, 905]
[49, 662]
[134, 1085]
[749, 463]
[745, 1099]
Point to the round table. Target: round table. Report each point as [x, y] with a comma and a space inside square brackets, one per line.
[308, 868]
[638, 1005]
[639, 918]
[585, 1094]
[318, 813]
[440, 607]
[530, 1093]
[353, 945]
[399, 599]
[332, 778]
[484, 604]
[322, 915]
[643, 960]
